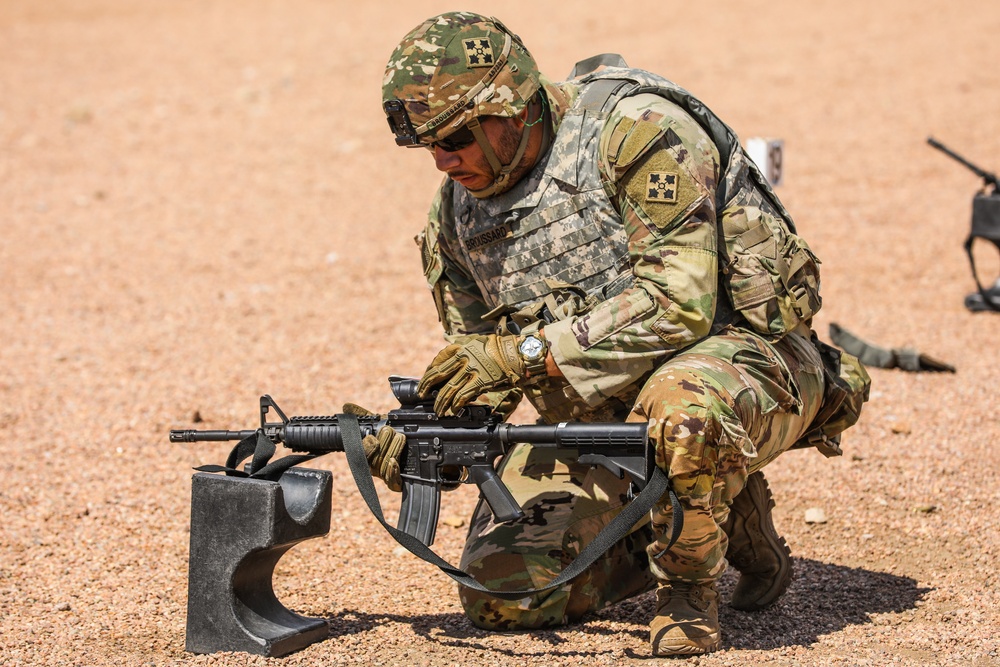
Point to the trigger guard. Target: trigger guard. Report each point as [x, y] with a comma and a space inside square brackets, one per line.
[452, 477]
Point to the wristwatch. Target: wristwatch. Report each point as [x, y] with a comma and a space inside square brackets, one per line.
[533, 351]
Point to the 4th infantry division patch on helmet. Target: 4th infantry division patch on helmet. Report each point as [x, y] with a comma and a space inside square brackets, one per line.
[478, 52]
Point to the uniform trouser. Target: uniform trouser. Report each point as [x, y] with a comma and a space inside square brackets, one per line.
[718, 411]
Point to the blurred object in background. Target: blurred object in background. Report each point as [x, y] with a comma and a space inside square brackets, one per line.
[767, 155]
[985, 225]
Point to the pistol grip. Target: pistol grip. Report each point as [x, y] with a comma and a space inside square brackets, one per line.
[496, 495]
[418, 511]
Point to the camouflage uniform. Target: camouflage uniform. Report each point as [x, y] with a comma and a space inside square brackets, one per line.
[671, 288]
[706, 406]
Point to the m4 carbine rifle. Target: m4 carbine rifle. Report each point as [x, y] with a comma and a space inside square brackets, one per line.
[469, 442]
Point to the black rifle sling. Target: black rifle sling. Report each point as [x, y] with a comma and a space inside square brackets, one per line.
[261, 467]
[657, 485]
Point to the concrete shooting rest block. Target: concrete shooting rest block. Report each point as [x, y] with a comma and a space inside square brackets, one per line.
[240, 528]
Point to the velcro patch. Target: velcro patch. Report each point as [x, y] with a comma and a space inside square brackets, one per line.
[478, 52]
[661, 186]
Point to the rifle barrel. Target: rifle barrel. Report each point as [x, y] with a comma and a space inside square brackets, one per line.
[190, 435]
[988, 177]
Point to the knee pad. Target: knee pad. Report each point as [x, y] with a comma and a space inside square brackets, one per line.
[511, 572]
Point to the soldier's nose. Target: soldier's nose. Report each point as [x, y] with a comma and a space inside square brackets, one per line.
[444, 160]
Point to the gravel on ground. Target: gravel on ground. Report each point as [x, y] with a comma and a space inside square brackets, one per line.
[200, 203]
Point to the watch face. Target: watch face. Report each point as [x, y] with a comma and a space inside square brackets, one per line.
[531, 347]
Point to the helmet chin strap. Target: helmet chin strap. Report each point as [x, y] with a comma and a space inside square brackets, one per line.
[501, 172]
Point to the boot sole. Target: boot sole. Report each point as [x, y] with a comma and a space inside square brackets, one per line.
[680, 649]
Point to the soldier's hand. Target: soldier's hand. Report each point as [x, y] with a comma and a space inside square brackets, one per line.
[501, 402]
[383, 450]
[478, 364]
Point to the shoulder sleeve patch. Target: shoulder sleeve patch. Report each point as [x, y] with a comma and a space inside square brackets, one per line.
[661, 186]
[662, 190]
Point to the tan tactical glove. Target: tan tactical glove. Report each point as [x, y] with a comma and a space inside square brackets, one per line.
[382, 449]
[463, 371]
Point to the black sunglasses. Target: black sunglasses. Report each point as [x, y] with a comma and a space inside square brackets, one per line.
[406, 135]
[455, 141]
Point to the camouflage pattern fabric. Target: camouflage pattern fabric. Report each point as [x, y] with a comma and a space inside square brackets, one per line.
[648, 208]
[455, 67]
[707, 407]
[566, 504]
[555, 224]
[560, 225]
[668, 191]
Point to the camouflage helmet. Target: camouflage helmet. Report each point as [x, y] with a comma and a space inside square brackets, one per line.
[452, 68]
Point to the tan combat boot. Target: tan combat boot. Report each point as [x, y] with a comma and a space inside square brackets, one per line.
[761, 556]
[687, 620]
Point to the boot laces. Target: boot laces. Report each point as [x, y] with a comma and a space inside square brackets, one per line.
[693, 594]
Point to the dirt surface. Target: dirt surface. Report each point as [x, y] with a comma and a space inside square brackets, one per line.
[201, 203]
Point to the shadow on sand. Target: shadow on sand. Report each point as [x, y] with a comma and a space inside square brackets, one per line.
[823, 599]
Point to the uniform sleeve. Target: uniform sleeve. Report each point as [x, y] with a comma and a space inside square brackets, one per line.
[460, 304]
[661, 170]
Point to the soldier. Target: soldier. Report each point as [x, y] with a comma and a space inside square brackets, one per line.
[604, 247]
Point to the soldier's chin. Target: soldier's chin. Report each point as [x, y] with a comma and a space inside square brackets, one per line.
[471, 181]
[492, 189]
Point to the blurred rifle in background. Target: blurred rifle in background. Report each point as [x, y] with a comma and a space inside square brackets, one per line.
[985, 225]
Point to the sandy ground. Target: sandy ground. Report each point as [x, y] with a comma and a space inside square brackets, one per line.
[200, 202]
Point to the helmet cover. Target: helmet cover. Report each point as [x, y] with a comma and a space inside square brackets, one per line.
[452, 68]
